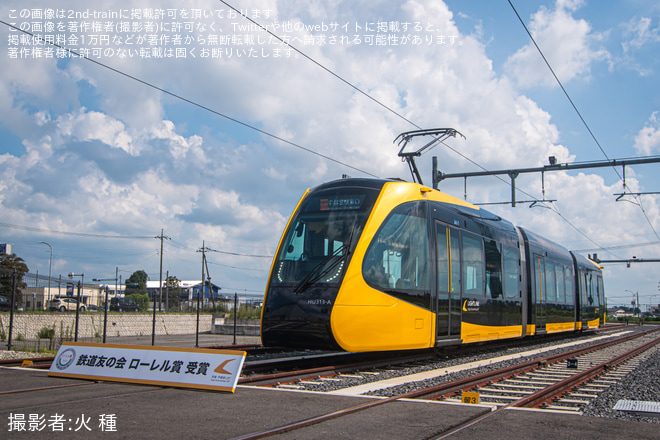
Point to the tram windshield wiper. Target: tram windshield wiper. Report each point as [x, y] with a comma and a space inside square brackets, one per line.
[316, 273]
[340, 255]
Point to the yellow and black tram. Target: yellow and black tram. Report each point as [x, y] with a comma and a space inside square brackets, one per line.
[373, 265]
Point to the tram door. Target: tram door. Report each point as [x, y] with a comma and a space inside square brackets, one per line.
[449, 282]
[539, 291]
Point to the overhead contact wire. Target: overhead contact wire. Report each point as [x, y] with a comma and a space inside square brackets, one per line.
[191, 102]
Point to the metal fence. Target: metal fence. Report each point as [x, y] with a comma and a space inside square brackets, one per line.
[192, 317]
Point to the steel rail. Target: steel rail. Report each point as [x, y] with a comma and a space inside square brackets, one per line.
[375, 362]
[42, 361]
[469, 382]
[545, 395]
[557, 388]
[53, 387]
[437, 389]
[328, 370]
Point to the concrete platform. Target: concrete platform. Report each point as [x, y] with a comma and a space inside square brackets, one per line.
[148, 412]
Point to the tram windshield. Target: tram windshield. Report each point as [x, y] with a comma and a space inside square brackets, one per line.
[321, 237]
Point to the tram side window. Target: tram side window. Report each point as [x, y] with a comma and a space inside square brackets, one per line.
[443, 260]
[473, 264]
[589, 300]
[398, 258]
[568, 282]
[550, 285]
[597, 292]
[493, 269]
[559, 278]
[538, 279]
[511, 273]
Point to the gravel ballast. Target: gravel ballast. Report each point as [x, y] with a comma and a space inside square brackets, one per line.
[641, 384]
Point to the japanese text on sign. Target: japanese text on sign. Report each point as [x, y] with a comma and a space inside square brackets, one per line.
[181, 367]
[161, 34]
[18, 422]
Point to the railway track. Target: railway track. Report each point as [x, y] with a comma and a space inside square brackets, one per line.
[569, 398]
[288, 368]
[313, 373]
[576, 389]
[541, 383]
[40, 363]
[563, 381]
[550, 382]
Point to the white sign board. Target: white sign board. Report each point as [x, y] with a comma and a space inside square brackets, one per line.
[165, 366]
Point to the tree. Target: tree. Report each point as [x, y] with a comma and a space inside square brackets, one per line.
[141, 299]
[137, 282]
[9, 264]
[173, 294]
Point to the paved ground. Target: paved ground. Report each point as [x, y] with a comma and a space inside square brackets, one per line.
[146, 412]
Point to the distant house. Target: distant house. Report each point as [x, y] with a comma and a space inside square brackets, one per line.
[618, 313]
[36, 298]
[190, 290]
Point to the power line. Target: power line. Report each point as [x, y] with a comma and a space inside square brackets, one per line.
[249, 269]
[624, 246]
[584, 122]
[78, 234]
[284, 140]
[561, 85]
[556, 211]
[191, 102]
[236, 254]
[242, 255]
[353, 86]
[648, 220]
[240, 122]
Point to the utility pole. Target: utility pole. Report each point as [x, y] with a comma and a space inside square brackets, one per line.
[160, 278]
[167, 291]
[160, 282]
[106, 305]
[203, 250]
[201, 293]
[208, 278]
[50, 265]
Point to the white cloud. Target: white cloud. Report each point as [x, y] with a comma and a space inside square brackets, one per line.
[566, 42]
[29, 85]
[38, 152]
[138, 161]
[647, 140]
[180, 147]
[86, 125]
[640, 32]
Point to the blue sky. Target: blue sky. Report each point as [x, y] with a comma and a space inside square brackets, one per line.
[96, 163]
